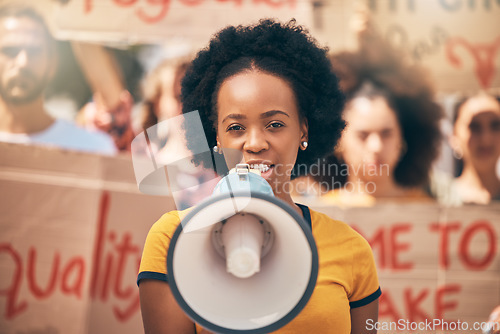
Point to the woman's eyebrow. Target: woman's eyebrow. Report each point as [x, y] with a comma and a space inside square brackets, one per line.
[267, 114]
[272, 113]
[234, 116]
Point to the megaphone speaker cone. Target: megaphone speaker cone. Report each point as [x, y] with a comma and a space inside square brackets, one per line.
[264, 297]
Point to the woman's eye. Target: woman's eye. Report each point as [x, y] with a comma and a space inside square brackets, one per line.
[475, 128]
[495, 126]
[363, 135]
[276, 125]
[235, 127]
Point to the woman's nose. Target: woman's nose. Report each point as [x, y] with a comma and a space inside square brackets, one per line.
[255, 142]
[487, 136]
[374, 143]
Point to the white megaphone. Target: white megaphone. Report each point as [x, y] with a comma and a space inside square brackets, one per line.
[242, 261]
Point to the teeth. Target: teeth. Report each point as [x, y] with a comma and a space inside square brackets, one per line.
[261, 167]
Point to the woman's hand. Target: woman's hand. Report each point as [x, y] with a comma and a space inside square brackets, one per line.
[494, 320]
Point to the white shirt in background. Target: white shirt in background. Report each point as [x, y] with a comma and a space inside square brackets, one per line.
[66, 135]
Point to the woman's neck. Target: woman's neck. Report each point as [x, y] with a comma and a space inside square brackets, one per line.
[381, 188]
[287, 198]
[486, 181]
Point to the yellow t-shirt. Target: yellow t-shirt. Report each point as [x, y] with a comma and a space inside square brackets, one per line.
[347, 276]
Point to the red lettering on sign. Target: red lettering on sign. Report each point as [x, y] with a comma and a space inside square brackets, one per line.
[69, 277]
[115, 258]
[159, 16]
[385, 243]
[76, 267]
[464, 254]
[98, 248]
[483, 55]
[38, 292]
[124, 249]
[416, 303]
[109, 264]
[469, 233]
[444, 230]
[238, 2]
[14, 307]
[145, 12]
[125, 3]
[387, 308]
[398, 247]
[441, 305]
[413, 305]
[87, 6]
[191, 2]
[278, 3]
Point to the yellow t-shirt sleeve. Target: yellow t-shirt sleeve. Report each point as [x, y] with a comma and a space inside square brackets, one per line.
[154, 255]
[365, 279]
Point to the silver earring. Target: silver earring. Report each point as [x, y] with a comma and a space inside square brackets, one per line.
[458, 153]
[217, 149]
[304, 145]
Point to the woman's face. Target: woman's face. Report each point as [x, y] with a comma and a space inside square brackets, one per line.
[477, 130]
[257, 114]
[169, 103]
[372, 142]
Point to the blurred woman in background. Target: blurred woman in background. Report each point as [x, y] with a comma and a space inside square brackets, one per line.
[161, 119]
[393, 126]
[476, 143]
[161, 92]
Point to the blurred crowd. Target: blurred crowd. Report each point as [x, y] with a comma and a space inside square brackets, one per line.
[388, 151]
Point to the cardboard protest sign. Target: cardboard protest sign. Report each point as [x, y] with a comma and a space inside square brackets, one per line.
[457, 40]
[72, 228]
[140, 21]
[434, 263]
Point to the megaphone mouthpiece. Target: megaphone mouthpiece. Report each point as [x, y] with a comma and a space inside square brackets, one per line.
[242, 238]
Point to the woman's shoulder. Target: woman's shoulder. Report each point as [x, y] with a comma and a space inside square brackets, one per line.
[169, 221]
[326, 226]
[338, 240]
[346, 199]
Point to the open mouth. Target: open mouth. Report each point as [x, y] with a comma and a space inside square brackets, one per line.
[264, 169]
[260, 167]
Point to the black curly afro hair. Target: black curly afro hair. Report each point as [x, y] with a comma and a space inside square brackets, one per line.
[282, 49]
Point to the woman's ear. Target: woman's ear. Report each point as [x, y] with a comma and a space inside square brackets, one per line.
[455, 146]
[453, 141]
[304, 130]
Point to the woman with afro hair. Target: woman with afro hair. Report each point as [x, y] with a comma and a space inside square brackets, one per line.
[393, 130]
[268, 92]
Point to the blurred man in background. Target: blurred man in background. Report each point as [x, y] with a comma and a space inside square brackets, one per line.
[27, 64]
